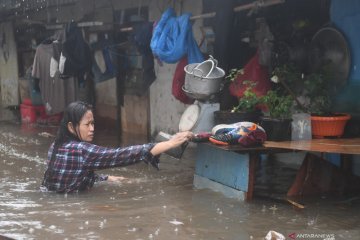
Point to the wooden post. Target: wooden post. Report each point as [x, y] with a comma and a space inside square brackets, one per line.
[253, 161]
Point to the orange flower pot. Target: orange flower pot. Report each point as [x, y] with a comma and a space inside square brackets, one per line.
[329, 126]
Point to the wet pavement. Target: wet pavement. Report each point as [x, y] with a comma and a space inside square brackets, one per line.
[151, 204]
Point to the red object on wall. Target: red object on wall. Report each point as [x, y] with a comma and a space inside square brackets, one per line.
[179, 81]
[254, 72]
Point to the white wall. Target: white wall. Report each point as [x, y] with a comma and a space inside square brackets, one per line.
[165, 110]
[9, 77]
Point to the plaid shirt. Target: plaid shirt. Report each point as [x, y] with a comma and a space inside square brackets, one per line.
[75, 162]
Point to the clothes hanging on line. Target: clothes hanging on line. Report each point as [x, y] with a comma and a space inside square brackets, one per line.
[141, 36]
[104, 66]
[135, 59]
[75, 52]
[56, 92]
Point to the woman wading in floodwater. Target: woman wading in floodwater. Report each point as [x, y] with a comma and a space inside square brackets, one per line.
[72, 158]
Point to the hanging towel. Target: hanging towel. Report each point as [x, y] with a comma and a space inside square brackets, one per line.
[173, 38]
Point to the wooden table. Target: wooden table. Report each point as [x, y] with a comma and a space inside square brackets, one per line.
[231, 169]
[340, 145]
[228, 169]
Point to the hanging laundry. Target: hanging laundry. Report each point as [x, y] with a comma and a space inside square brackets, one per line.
[54, 61]
[137, 60]
[104, 60]
[141, 36]
[173, 39]
[76, 52]
[56, 92]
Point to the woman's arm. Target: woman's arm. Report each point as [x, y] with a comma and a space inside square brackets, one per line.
[175, 141]
[97, 157]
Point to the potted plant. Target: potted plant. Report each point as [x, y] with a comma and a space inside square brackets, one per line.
[320, 92]
[277, 119]
[246, 108]
[317, 91]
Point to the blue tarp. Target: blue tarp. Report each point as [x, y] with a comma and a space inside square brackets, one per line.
[173, 38]
[345, 15]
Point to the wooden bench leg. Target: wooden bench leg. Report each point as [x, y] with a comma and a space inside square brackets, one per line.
[253, 161]
[297, 186]
[317, 176]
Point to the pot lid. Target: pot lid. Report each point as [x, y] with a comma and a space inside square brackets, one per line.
[189, 118]
[204, 69]
[207, 69]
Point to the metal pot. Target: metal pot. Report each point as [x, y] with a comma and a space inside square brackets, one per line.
[203, 78]
[197, 96]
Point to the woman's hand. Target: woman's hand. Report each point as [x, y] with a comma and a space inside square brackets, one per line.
[176, 140]
[116, 178]
[180, 137]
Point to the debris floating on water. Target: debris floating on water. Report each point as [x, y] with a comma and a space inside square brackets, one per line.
[176, 222]
[272, 235]
[298, 205]
[46, 134]
[273, 208]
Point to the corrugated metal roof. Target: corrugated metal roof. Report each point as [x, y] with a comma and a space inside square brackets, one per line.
[9, 7]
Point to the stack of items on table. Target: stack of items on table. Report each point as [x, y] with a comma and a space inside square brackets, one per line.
[246, 134]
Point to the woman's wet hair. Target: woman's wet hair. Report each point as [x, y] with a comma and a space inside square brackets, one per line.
[72, 114]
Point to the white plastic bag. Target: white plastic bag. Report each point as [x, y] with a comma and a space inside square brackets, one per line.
[272, 235]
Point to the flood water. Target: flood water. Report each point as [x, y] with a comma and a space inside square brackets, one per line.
[148, 204]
